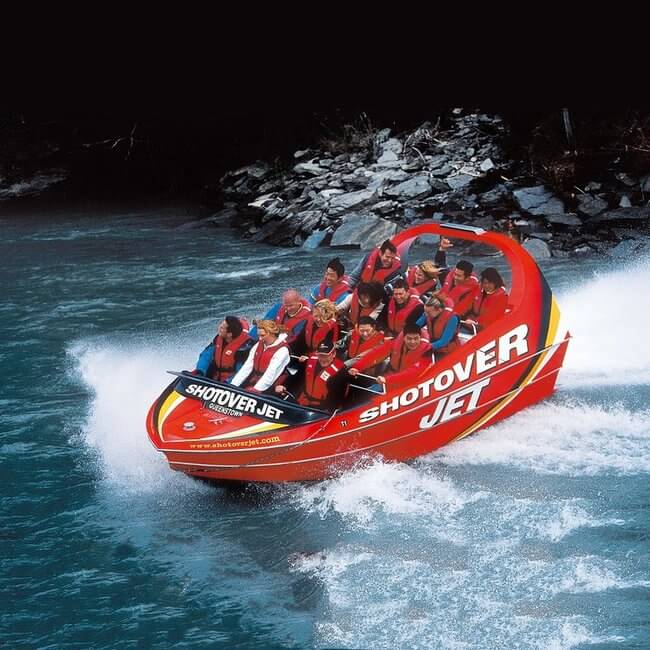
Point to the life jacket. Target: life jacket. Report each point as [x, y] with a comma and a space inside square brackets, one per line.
[357, 345]
[357, 310]
[315, 334]
[397, 317]
[489, 307]
[423, 287]
[462, 294]
[290, 322]
[261, 361]
[340, 288]
[224, 356]
[401, 358]
[370, 273]
[436, 327]
[315, 390]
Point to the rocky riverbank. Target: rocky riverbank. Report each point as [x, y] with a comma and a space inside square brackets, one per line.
[363, 188]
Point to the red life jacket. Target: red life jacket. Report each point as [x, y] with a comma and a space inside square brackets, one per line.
[224, 353]
[423, 287]
[315, 334]
[370, 273]
[357, 310]
[290, 322]
[462, 294]
[489, 307]
[357, 345]
[261, 361]
[436, 327]
[397, 317]
[401, 358]
[315, 390]
[340, 288]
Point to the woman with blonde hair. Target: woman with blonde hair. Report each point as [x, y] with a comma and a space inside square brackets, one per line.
[423, 278]
[267, 359]
[321, 327]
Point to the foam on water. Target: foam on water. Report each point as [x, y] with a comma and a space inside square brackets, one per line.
[247, 273]
[607, 317]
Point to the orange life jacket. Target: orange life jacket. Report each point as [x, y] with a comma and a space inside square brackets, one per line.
[315, 390]
[225, 353]
[397, 317]
[370, 273]
[489, 307]
[357, 345]
[290, 322]
[462, 294]
[261, 361]
[436, 327]
[401, 358]
[357, 310]
[423, 287]
[315, 334]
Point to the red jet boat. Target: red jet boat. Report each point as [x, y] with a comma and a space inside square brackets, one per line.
[216, 431]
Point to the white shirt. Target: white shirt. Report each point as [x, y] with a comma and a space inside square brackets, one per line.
[278, 363]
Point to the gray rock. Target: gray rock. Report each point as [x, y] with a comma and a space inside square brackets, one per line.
[224, 217]
[638, 213]
[625, 202]
[414, 188]
[583, 250]
[258, 170]
[538, 200]
[316, 239]
[590, 206]
[496, 195]
[593, 186]
[343, 202]
[388, 157]
[384, 207]
[459, 181]
[392, 144]
[309, 168]
[330, 192]
[626, 179]
[364, 231]
[378, 179]
[436, 162]
[441, 172]
[486, 165]
[645, 183]
[309, 220]
[301, 153]
[563, 219]
[537, 248]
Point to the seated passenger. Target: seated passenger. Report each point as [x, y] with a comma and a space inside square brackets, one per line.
[365, 338]
[381, 264]
[491, 303]
[461, 286]
[366, 300]
[292, 313]
[321, 327]
[334, 286]
[441, 327]
[226, 354]
[402, 308]
[266, 361]
[423, 278]
[325, 380]
[409, 356]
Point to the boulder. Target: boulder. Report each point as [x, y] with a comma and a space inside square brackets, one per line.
[486, 165]
[414, 188]
[638, 213]
[359, 230]
[316, 239]
[537, 248]
[459, 181]
[590, 206]
[563, 219]
[349, 200]
[538, 200]
[377, 179]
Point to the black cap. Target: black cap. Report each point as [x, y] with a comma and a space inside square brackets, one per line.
[324, 348]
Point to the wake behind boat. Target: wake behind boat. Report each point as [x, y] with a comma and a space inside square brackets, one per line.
[215, 430]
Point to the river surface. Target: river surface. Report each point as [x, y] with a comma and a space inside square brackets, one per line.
[533, 533]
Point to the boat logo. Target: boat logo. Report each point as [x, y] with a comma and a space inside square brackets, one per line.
[189, 426]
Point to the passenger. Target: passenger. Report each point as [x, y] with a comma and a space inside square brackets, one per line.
[423, 278]
[441, 327]
[366, 300]
[227, 352]
[491, 303]
[326, 380]
[266, 361]
[321, 327]
[334, 286]
[381, 264]
[461, 286]
[292, 312]
[402, 308]
[365, 338]
[409, 356]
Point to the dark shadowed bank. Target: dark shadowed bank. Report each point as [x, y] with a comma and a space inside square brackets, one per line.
[565, 181]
